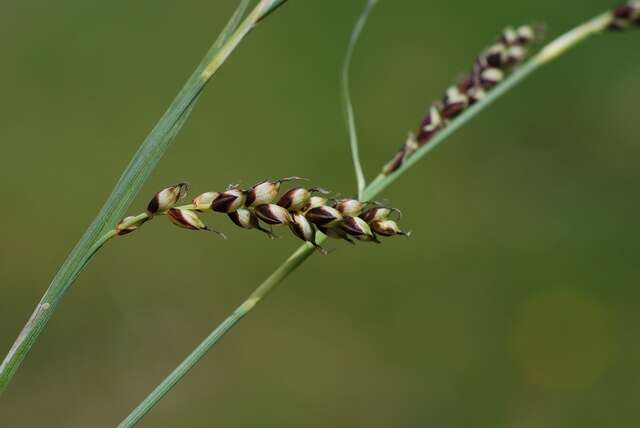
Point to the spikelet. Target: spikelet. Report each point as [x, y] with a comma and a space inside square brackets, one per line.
[489, 70]
[625, 15]
[188, 219]
[129, 224]
[300, 199]
[228, 201]
[303, 212]
[247, 219]
[265, 192]
[167, 198]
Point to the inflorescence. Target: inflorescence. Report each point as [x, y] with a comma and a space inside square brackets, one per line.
[490, 68]
[303, 210]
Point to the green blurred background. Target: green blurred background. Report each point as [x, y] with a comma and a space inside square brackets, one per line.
[514, 304]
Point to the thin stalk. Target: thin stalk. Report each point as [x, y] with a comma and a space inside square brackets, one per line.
[346, 96]
[547, 54]
[161, 390]
[134, 176]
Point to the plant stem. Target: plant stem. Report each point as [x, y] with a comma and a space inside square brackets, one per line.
[346, 97]
[273, 280]
[134, 176]
[550, 52]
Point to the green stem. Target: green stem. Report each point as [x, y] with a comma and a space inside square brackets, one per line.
[550, 52]
[346, 96]
[134, 176]
[272, 281]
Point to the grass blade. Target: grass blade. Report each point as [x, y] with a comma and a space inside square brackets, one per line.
[346, 96]
[550, 52]
[134, 176]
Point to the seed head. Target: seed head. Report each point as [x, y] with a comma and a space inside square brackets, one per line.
[358, 228]
[515, 55]
[489, 70]
[625, 15]
[509, 36]
[527, 34]
[316, 201]
[430, 125]
[228, 201]
[453, 103]
[167, 198]
[378, 214]
[299, 198]
[494, 56]
[273, 214]
[490, 77]
[265, 192]
[387, 228]
[246, 219]
[349, 207]
[128, 225]
[203, 201]
[188, 219]
[304, 230]
[324, 216]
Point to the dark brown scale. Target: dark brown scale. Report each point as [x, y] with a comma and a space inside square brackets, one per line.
[223, 202]
[320, 216]
[153, 205]
[250, 197]
[451, 110]
[287, 199]
[369, 215]
[396, 162]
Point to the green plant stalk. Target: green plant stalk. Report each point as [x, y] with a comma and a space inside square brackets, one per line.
[547, 54]
[134, 176]
[346, 96]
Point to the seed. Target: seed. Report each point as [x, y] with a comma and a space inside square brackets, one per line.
[509, 36]
[349, 207]
[358, 228]
[188, 219]
[128, 225]
[203, 202]
[304, 230]
[476, 94]
[491, 77]
[273, 214]
[228, 201]
[299, 198]
[387, 228]
[167, 198]
[431, 124]
[265, 192]
[316, 201]
[515, 55]
[494, 56]
[378, 213]
[324, 216]
[526, 35]
[396, 161]
[453, 103]
[247, 219]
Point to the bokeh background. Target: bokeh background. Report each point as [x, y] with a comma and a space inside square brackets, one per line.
[514, 304]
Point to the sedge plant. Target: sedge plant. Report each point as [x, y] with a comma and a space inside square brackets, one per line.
[311, 218]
